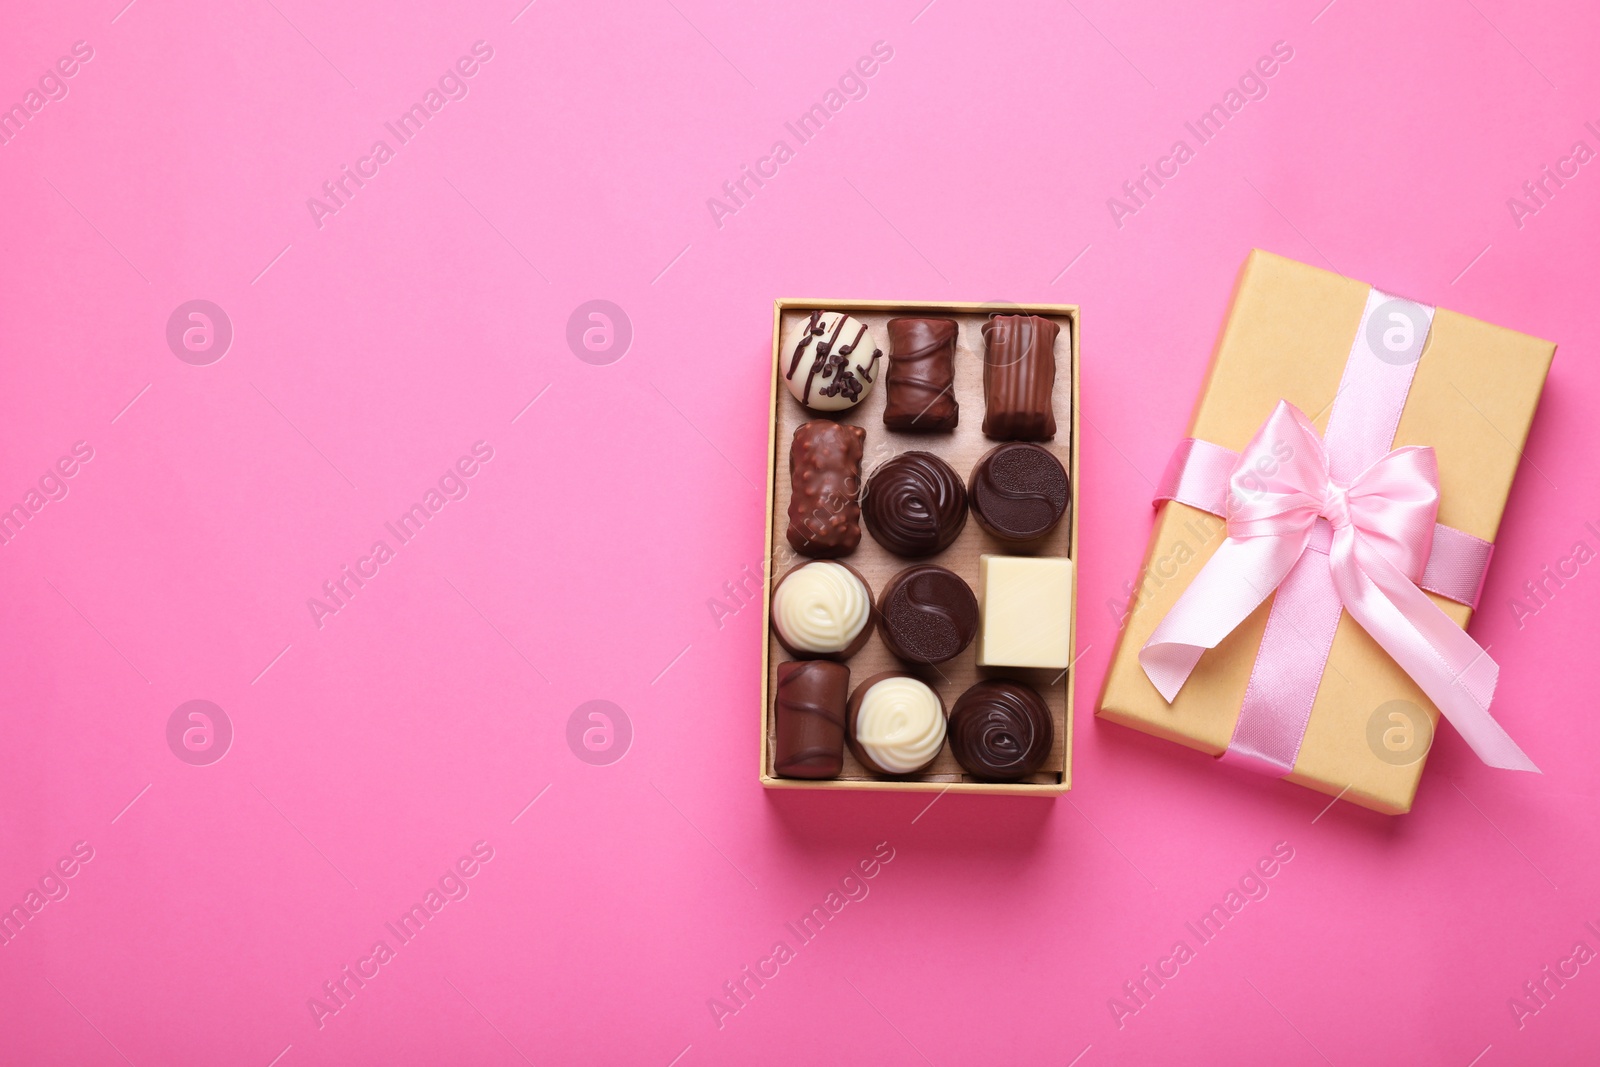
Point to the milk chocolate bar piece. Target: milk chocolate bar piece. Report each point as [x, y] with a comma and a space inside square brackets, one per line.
[809, 718]
[921, 376]
[825, 489]
[1019, 375]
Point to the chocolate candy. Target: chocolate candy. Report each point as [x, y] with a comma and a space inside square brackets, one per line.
[834, 362]
[927, 614]
[921, 376]
[1001, 730]
[915, 505]
[896, 723]
[1019, 374]
[1018, 492]
[822, 609]
[809, 718]
[825, 479]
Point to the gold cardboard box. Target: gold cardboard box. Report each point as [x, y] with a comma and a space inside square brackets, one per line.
[1287, 336]
[961, 449]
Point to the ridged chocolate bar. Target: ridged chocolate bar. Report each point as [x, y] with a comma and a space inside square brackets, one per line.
[809, 718]
[921, 376]
[1019, 375]
[825, 489]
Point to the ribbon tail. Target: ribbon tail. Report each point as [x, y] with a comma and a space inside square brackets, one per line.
[1231, 585]
[1449, 666]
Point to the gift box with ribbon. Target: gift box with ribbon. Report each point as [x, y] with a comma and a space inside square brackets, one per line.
[1322, 536]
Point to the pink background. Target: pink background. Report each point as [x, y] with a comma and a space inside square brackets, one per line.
[370, 353]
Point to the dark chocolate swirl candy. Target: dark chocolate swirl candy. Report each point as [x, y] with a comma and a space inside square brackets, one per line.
[915, 505]
[1018, 492]
[927, 614]
[1001, 731]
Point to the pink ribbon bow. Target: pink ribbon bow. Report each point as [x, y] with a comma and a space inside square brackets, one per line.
[1382, 532]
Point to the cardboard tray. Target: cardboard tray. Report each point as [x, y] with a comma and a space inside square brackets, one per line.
[961, 449]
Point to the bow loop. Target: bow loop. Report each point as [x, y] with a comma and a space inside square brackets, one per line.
[1395, 504]
[1277, 484]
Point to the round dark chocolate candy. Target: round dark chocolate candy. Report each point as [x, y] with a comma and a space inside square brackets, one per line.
[915, 505]
[1019, 491]
[927, 614]
[1001, 730]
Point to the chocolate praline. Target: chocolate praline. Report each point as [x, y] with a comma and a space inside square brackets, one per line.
[915, 505]
[1019, 375]
[921, 377]
[1018, 491]
[910, 730]
[809, 718]
[824, 614]
[927, 614]
[824, 483]
[836, 373]
[1001, 730]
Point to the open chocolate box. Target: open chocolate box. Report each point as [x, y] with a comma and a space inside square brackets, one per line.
[961, 449]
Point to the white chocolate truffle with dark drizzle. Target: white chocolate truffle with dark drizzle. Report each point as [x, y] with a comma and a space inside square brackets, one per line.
[831, 362]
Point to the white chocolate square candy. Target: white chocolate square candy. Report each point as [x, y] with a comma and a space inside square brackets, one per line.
[1024, 611]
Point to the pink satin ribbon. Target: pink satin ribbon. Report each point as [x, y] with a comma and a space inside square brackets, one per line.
[1371, 530]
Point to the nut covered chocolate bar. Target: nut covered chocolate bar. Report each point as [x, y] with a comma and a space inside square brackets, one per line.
[825, 506]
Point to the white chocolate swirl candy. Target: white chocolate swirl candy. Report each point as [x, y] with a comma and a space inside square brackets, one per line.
[899, 723]
[821, 607]
[832, 361]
